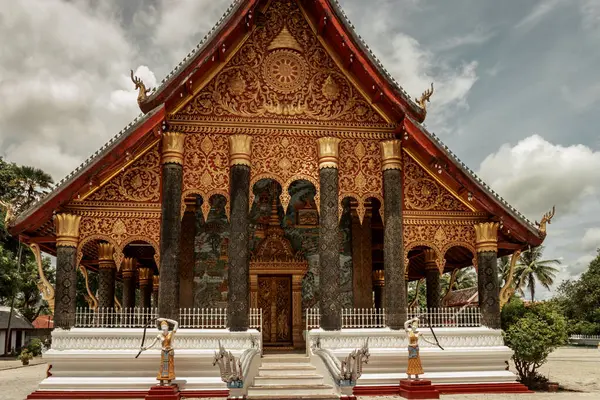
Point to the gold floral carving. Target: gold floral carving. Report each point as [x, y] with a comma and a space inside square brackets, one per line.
[44, 284]
[240, 149]
[391, 154]
[128, 267]
[155, 283]
[89, 297]
[67, 229]
[328, 152]
[206, 168]
[486, 235]
[284, 159]
[422, 192]
[172, 148]
[144, 276]
[360, 172]
[282, 75]
[106, 252]
[139, 182]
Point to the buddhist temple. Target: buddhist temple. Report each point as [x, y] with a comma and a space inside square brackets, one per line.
[278, 167]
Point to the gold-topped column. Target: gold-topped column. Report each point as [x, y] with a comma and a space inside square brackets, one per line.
[393, 248]
[128, 267]
[170, 225]
[145, 280]
[432, 278]
[329, 237]
[486, 245]
[67, 239]
[378, 288]
[106, 275]
[238, 273]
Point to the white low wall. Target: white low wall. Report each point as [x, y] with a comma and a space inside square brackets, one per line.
[470, 355]
[104, 358]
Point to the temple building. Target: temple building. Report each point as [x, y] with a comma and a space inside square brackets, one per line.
[278, 167]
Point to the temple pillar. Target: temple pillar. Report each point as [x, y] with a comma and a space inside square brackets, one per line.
[128, 273]
[378, 288]
[170, 224]
[362, 260]
[393, 249]
[145, 280]
[67, 238]
[329, 246]
[155, 286]
[486, 245]
[238, 295]
[186, 265]
[106, 275]
[432, 279]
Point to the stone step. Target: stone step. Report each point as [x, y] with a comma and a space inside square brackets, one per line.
[292, 391]
[297, 366]
[283, 370]
[278, 380]
[285, 358]
[294, 397]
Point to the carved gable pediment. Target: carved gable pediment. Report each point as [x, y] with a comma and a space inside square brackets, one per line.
[282, 75]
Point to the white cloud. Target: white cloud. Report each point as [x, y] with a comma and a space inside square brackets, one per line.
[537, 14]
[535, 174]
[477, 37]
[591, 240]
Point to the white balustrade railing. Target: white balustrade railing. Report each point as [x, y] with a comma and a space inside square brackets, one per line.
[111, 318]
[593, 337]
[197, 318]
[362, 318]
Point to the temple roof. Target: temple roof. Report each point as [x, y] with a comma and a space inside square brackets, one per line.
[115, 153]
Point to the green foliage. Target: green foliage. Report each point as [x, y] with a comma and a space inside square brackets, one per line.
[533, 337]
[531, 269]
[25, 355]
[35, 347]
[511, 312]
[580, 300]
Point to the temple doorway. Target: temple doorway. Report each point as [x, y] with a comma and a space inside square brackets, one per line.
[275, 299]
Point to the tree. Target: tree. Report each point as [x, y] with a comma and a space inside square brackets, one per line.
[533, 337]
[580, 300]
[32, 184]
[465, 278]
[531, 269]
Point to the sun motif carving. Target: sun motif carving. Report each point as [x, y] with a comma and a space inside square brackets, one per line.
[285, 71]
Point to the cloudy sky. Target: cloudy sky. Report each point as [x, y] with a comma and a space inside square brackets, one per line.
[516, 96]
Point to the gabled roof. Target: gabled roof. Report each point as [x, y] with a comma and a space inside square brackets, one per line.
[16, 322]
[333, 26]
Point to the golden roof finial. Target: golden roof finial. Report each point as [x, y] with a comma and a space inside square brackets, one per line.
[425, 98]
[141, 87]
[546, 218]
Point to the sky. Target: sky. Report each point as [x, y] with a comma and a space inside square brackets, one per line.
[517, 88]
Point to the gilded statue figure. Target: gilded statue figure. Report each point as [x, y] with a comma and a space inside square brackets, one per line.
[167, 353]
[414, 359]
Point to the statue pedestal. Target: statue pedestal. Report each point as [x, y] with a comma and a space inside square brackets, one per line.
[163, 393]
[421, 389]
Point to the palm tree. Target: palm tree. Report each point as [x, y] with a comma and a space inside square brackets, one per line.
[503, 269]
[33, 182]
[465, 278]
[531, 269]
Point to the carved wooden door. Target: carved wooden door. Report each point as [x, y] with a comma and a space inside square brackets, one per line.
[275, 299]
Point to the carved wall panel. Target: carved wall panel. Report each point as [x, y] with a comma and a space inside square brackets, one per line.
[206, 168]
[139, 182]
[284, 159]
[423, 193]
[360, 172]
[282, 75]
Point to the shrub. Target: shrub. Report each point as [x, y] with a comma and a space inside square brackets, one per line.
[512, 312]
[35, 347]
[533, 337]
[25, 356]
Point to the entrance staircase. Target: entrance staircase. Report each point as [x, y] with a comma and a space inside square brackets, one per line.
[289, 376]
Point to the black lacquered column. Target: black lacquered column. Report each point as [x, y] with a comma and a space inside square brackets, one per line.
[145, 279]
[238, 274]
[67, 238]
[128, 273]
[378, 288]
[486, 243]
[106, 275]
[170, 227]
[329, 246]
[432, 279]
[393, 249]
[155, 289]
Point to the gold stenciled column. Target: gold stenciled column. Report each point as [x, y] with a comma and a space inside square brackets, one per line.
[170, 224]
[486, 244]
[155, 287]
[67, 238]
[106, 276]
[145, 279]
[329, 246]
[393, 248]
[128, 267]
[432, 276]
[238, 273]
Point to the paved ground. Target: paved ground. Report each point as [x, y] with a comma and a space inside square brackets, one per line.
[574, 368]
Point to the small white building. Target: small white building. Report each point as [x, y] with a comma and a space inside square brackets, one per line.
[19, 330]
